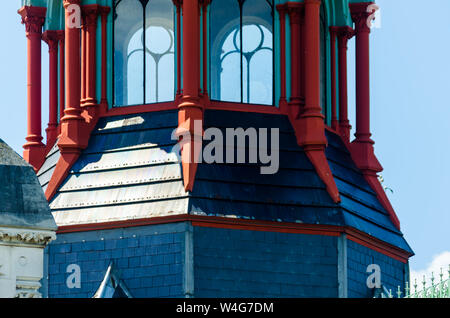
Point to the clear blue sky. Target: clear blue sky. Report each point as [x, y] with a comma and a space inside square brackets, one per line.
[410, 70]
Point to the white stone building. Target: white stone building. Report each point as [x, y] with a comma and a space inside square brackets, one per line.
[26, 227]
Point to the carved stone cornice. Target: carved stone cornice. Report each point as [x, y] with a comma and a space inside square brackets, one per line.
[26, 288]
[26, 236]
[33, 18]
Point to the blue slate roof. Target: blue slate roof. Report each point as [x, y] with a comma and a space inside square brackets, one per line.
[130, 170]
[22, 202]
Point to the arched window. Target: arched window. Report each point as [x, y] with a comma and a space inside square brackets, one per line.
[242, 75]
[144, 46]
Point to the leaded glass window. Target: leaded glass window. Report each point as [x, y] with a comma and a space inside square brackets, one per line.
[144, 49]
[242, 75]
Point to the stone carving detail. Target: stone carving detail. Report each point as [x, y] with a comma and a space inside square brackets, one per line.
[27, 289]
[26, 236]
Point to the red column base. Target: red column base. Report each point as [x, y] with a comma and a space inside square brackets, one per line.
[344, 130]
[293, 109]
[283, 105]
[74, 135]
[335, 125]
[103, 107]
[52, 135]
[34, 154]
[190, 134]
[310, 133]
[364, 157]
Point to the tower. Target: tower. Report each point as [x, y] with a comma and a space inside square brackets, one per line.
[163, 115]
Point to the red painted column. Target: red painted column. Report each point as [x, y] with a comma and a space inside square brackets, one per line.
[190, 108]
[104, 12]
[334, 120]
[282, 10]
[51, 38]
[295, 16]
[363, 144]
[344, 34]
[83, 59]
[312, 125]
[62, 91]
[362, 149]
[73, 128]
[302, 62]
[205, 4]
[178, 5]
[34, 149]
[91, 13]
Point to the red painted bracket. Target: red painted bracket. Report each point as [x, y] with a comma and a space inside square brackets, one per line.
[364, 157]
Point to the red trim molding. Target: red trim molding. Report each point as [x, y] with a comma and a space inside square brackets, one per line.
[247, 108]
[252, 225]
[139, 109]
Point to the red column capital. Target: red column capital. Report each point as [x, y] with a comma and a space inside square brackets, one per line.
[91, 13]
[60, 35]
[361, 14]
[104, 11]
[344, 33]
[282, 8]
[33, 18]
[178, 3]
[205, 3]
[51, 37]
[294, 9]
